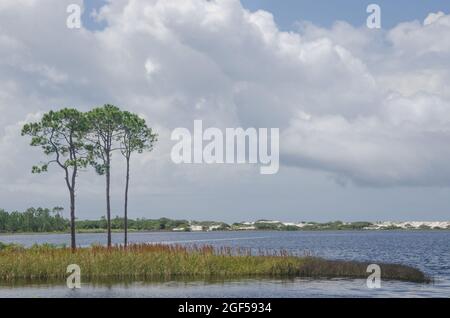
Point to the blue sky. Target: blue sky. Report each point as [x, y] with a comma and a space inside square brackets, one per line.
[323, 12]
[88, 21]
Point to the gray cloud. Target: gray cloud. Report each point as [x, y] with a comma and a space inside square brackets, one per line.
[371, 107]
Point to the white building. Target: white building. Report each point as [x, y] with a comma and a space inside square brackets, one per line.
[196, 228]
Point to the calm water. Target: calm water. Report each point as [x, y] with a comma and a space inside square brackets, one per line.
[427, 250]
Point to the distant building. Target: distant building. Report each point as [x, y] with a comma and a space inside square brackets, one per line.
[196, 228]
[214, 227]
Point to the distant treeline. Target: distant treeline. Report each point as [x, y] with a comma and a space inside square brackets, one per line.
[33, 220]
[118, 223]
[38, 220]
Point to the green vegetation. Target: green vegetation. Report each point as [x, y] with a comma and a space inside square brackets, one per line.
[105, 126]
[61, 136]
[33, 220]
[40, 220]
[147, 262]
[264, 225]
[336, 226]
[135, 137]
[45, 220]
[117, 223]
[73, 140]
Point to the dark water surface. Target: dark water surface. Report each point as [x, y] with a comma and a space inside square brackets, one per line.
[427, 250]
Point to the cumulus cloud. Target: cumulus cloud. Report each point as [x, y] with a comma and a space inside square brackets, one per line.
[368, 106]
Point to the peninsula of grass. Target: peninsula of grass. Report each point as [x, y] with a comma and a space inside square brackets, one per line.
[146, 262]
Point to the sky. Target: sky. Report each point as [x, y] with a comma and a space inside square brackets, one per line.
[363, 114]
[321, 12]
[326, 13]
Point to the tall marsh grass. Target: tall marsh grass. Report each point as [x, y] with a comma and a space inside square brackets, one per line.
[158, 261]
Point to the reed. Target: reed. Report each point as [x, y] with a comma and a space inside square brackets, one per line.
[160, 261]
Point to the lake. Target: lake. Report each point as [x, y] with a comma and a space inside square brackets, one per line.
[427, 250]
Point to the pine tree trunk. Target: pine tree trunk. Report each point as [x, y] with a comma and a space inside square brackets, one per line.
[72, 220]
[126, 202]
[108, 199]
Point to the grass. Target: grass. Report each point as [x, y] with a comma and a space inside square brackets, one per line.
[157, 261]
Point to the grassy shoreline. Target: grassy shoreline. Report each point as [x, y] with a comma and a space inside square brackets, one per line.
[155, 261]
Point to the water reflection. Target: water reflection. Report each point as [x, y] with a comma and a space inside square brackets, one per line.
[251, 288]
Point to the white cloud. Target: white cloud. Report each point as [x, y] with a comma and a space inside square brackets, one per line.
[365, 105]
[151, 67]
[433, 17]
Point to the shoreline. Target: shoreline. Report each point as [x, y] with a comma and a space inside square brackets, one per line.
[225, 231]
